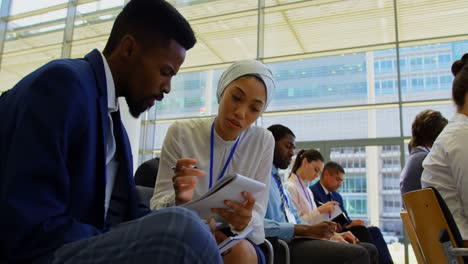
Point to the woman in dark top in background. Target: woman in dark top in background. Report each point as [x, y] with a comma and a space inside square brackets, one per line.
[426, 127]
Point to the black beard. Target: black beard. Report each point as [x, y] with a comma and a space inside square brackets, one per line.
[135, 108]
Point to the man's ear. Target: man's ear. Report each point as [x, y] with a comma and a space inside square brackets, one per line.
[324, 173]
[127, 46]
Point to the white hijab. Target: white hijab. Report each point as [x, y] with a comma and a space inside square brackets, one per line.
[247, 67]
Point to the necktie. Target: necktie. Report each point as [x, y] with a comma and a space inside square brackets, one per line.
[284, 199]
[329, 196]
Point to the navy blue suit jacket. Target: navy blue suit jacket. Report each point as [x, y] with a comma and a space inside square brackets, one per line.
[52, 159]
[320, 197]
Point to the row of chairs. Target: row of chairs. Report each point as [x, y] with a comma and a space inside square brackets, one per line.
[433, 233]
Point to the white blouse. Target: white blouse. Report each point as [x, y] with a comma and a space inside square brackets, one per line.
[307, 209]
[446, 169]
[253, 158]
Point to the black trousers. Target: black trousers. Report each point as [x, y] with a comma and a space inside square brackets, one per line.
[306, 250]
[373, 235]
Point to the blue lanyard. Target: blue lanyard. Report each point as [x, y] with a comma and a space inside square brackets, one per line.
[305, 192]
[280, 187]
[428, 149]
[212, 154]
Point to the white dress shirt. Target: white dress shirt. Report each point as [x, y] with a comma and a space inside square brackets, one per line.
[111, 161]
[446, 169]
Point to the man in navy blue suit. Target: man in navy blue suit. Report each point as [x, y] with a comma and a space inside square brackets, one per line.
[326, 189]
[67, 193]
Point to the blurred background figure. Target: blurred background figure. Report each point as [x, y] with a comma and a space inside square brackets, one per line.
[425, 129]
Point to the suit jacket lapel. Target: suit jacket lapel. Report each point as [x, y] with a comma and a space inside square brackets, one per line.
[125, 170]
[322, 192]
[95, 60]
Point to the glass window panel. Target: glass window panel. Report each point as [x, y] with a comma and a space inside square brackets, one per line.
[160, 134]
[312, 26]
[335, 81]
[187, 96]
[424, 19]
[151, 113]
[143, 131]
[428, 74]
[340, 125]
[224, 40]
[22, 6]
[377, 174]
[150, 134]
[214, 87]
[409, 113]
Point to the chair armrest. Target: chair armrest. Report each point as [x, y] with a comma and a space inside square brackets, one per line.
[459, 252]
[271, 253]
[286, 250]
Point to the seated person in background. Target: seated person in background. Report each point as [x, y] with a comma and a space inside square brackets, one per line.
[446, 166]
[307, 243]
[426, 127]
[67, 193]
[325, 191]
[146, 173]
[220, 146]
[308, 165]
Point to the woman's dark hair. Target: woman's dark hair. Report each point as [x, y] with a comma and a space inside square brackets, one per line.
[460, 83]
[426, 128]
[152, 23]
[310, 155]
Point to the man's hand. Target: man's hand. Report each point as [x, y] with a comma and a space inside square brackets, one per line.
[338, 238]
[328, 207]
[357, 222]
[324, 230]
[185, 180]
[349, 237]
[239, 214]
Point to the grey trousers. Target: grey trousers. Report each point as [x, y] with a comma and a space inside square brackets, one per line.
[305, 250]
[171, 235]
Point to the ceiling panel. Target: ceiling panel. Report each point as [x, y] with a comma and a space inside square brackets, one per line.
[422, 19]
[311, 27]
[34, 41]
[16, 67]
[88, 30]
[203, 8]
[224, 41]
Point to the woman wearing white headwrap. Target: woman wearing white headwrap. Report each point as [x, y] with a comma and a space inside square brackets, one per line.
[224, 145]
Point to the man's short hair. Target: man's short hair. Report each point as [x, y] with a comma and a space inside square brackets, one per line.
[280, 131]
[333, 167]
[151, 23]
